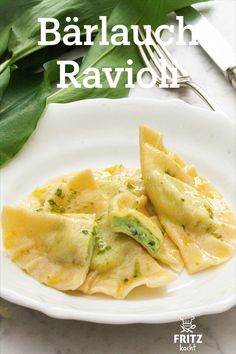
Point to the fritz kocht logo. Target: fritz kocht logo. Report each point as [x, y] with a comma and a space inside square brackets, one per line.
[187, 340]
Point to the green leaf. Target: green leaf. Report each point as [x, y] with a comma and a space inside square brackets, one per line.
[4, 37]
[125, 13]
[25, 30]
[174, 5]
[21, 107]
[4, 80]
[24, 99]
[12, 8]
[36, 60]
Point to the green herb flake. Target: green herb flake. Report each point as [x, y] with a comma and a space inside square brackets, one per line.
[39, 209]
[85, 232]
[59, 193]
[218, 236]
[168, 172]
[52, 202]
[137, 272]
[72, 194]
[130, 186]
[182, 200]
[55, 208]
[210, 212]
[107, 248]
[126, 280]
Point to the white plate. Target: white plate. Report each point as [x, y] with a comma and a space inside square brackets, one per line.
[99, 133]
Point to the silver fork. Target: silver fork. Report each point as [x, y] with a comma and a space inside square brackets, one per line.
[152, 54]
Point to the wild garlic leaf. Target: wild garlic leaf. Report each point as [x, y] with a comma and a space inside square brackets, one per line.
[21, 107]
[174, 5]
[4, 80]
[24, 100]
[125, 13]
[25, 30]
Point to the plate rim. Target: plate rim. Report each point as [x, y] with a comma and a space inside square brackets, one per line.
[115, 318]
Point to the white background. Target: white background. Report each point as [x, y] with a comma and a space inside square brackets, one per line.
[25, 331]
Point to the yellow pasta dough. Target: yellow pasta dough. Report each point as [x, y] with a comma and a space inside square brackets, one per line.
[191, 210]
[54, 249]
[111, 230]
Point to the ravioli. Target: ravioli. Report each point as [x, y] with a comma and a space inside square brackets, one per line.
[190, 209]
[126, 218]
[118, 179]
[73, 193]
[120, 264]
[111, 230]
[112, 263]
[54, 249]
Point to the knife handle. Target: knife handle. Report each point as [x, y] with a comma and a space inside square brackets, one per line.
[231, 75]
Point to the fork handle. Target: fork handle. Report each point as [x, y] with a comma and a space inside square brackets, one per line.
[204, 96]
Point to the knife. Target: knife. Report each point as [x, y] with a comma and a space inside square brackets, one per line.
[212, 42]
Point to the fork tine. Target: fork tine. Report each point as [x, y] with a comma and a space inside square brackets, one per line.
[151, 53]
[168, 55]
[162, 55]
[157, 51]
[155, 54]
[147, 60]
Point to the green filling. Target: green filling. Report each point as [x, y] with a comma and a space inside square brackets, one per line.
[133, 227]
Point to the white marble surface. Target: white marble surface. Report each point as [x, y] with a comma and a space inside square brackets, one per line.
[24, 331]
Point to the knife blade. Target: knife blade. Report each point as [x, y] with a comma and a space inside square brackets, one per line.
[212, 42]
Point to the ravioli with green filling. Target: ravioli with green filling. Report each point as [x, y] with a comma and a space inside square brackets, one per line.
[116, 180]
[126, 218]
[113, 269]
[111, 230]
[190, 209]
[120, 264]
[54, 249]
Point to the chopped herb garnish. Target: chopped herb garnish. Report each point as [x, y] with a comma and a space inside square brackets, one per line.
[168, 172]
[182, 200]
[72, 194]
[210, 212]
[59, 193]
[54, 207]
[130, 186]
[52, 202]
[39, 209]
[85, 232]
[214, 234]
[107, 248]
[126, 280]
[99, 218]
[95, 230]
[137, 272]
[183, 226]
